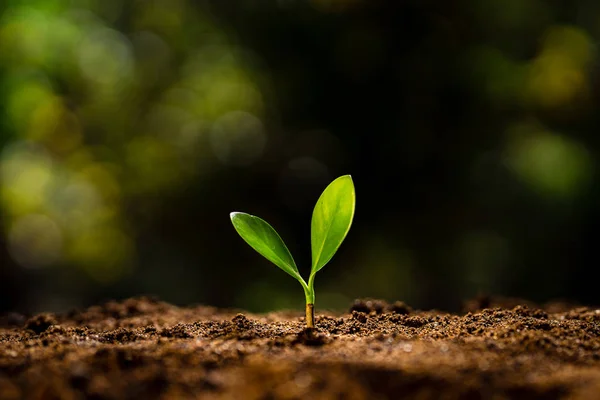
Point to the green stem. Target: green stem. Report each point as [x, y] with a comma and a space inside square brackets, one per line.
[311, 287]
[309, 293]
[310, 302]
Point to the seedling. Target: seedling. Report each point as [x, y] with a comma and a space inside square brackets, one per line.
[331, 221]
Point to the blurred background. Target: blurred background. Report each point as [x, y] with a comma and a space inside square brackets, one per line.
[130, 129]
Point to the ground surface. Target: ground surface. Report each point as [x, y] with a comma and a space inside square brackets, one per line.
[145, 349]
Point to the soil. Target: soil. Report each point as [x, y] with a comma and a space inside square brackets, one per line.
[142, 348]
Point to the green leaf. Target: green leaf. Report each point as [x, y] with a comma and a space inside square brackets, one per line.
[331, 220]
[263, 238]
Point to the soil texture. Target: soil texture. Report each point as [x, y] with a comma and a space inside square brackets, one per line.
[142, 348]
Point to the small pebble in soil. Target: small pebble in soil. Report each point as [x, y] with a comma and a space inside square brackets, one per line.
[407, 347]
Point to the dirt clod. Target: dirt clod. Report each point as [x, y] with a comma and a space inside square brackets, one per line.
[399, 307]
[40, 323]
[311, 337]
[368, 306]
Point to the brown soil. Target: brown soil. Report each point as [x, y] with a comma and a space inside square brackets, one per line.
[143, 349]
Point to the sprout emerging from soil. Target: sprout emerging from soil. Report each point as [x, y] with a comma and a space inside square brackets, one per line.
[331, 221]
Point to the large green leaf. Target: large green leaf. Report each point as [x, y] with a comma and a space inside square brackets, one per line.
[331, 220]
[263, 238]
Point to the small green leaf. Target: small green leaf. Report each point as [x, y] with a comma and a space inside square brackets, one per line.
[331, 220]
[263, 238]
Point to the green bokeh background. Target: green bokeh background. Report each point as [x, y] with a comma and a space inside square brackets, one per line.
[130, 129]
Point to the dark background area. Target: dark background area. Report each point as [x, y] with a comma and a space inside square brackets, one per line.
[130, 130]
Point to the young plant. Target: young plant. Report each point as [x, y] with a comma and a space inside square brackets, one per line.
[331, 221]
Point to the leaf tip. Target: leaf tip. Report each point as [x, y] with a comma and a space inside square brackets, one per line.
[347, 178]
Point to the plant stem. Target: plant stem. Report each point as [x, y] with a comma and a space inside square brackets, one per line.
[310, 304]
[310, 315]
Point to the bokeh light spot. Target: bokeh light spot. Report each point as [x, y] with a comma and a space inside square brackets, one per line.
[103, 178]
[35, 241]
[30, 93]
[105, 252]
[77, 203]
[153, 165]
[220, 83]
[238, 138]
[27, 173]
[105, 57]
[559, 73]
[553, 164]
